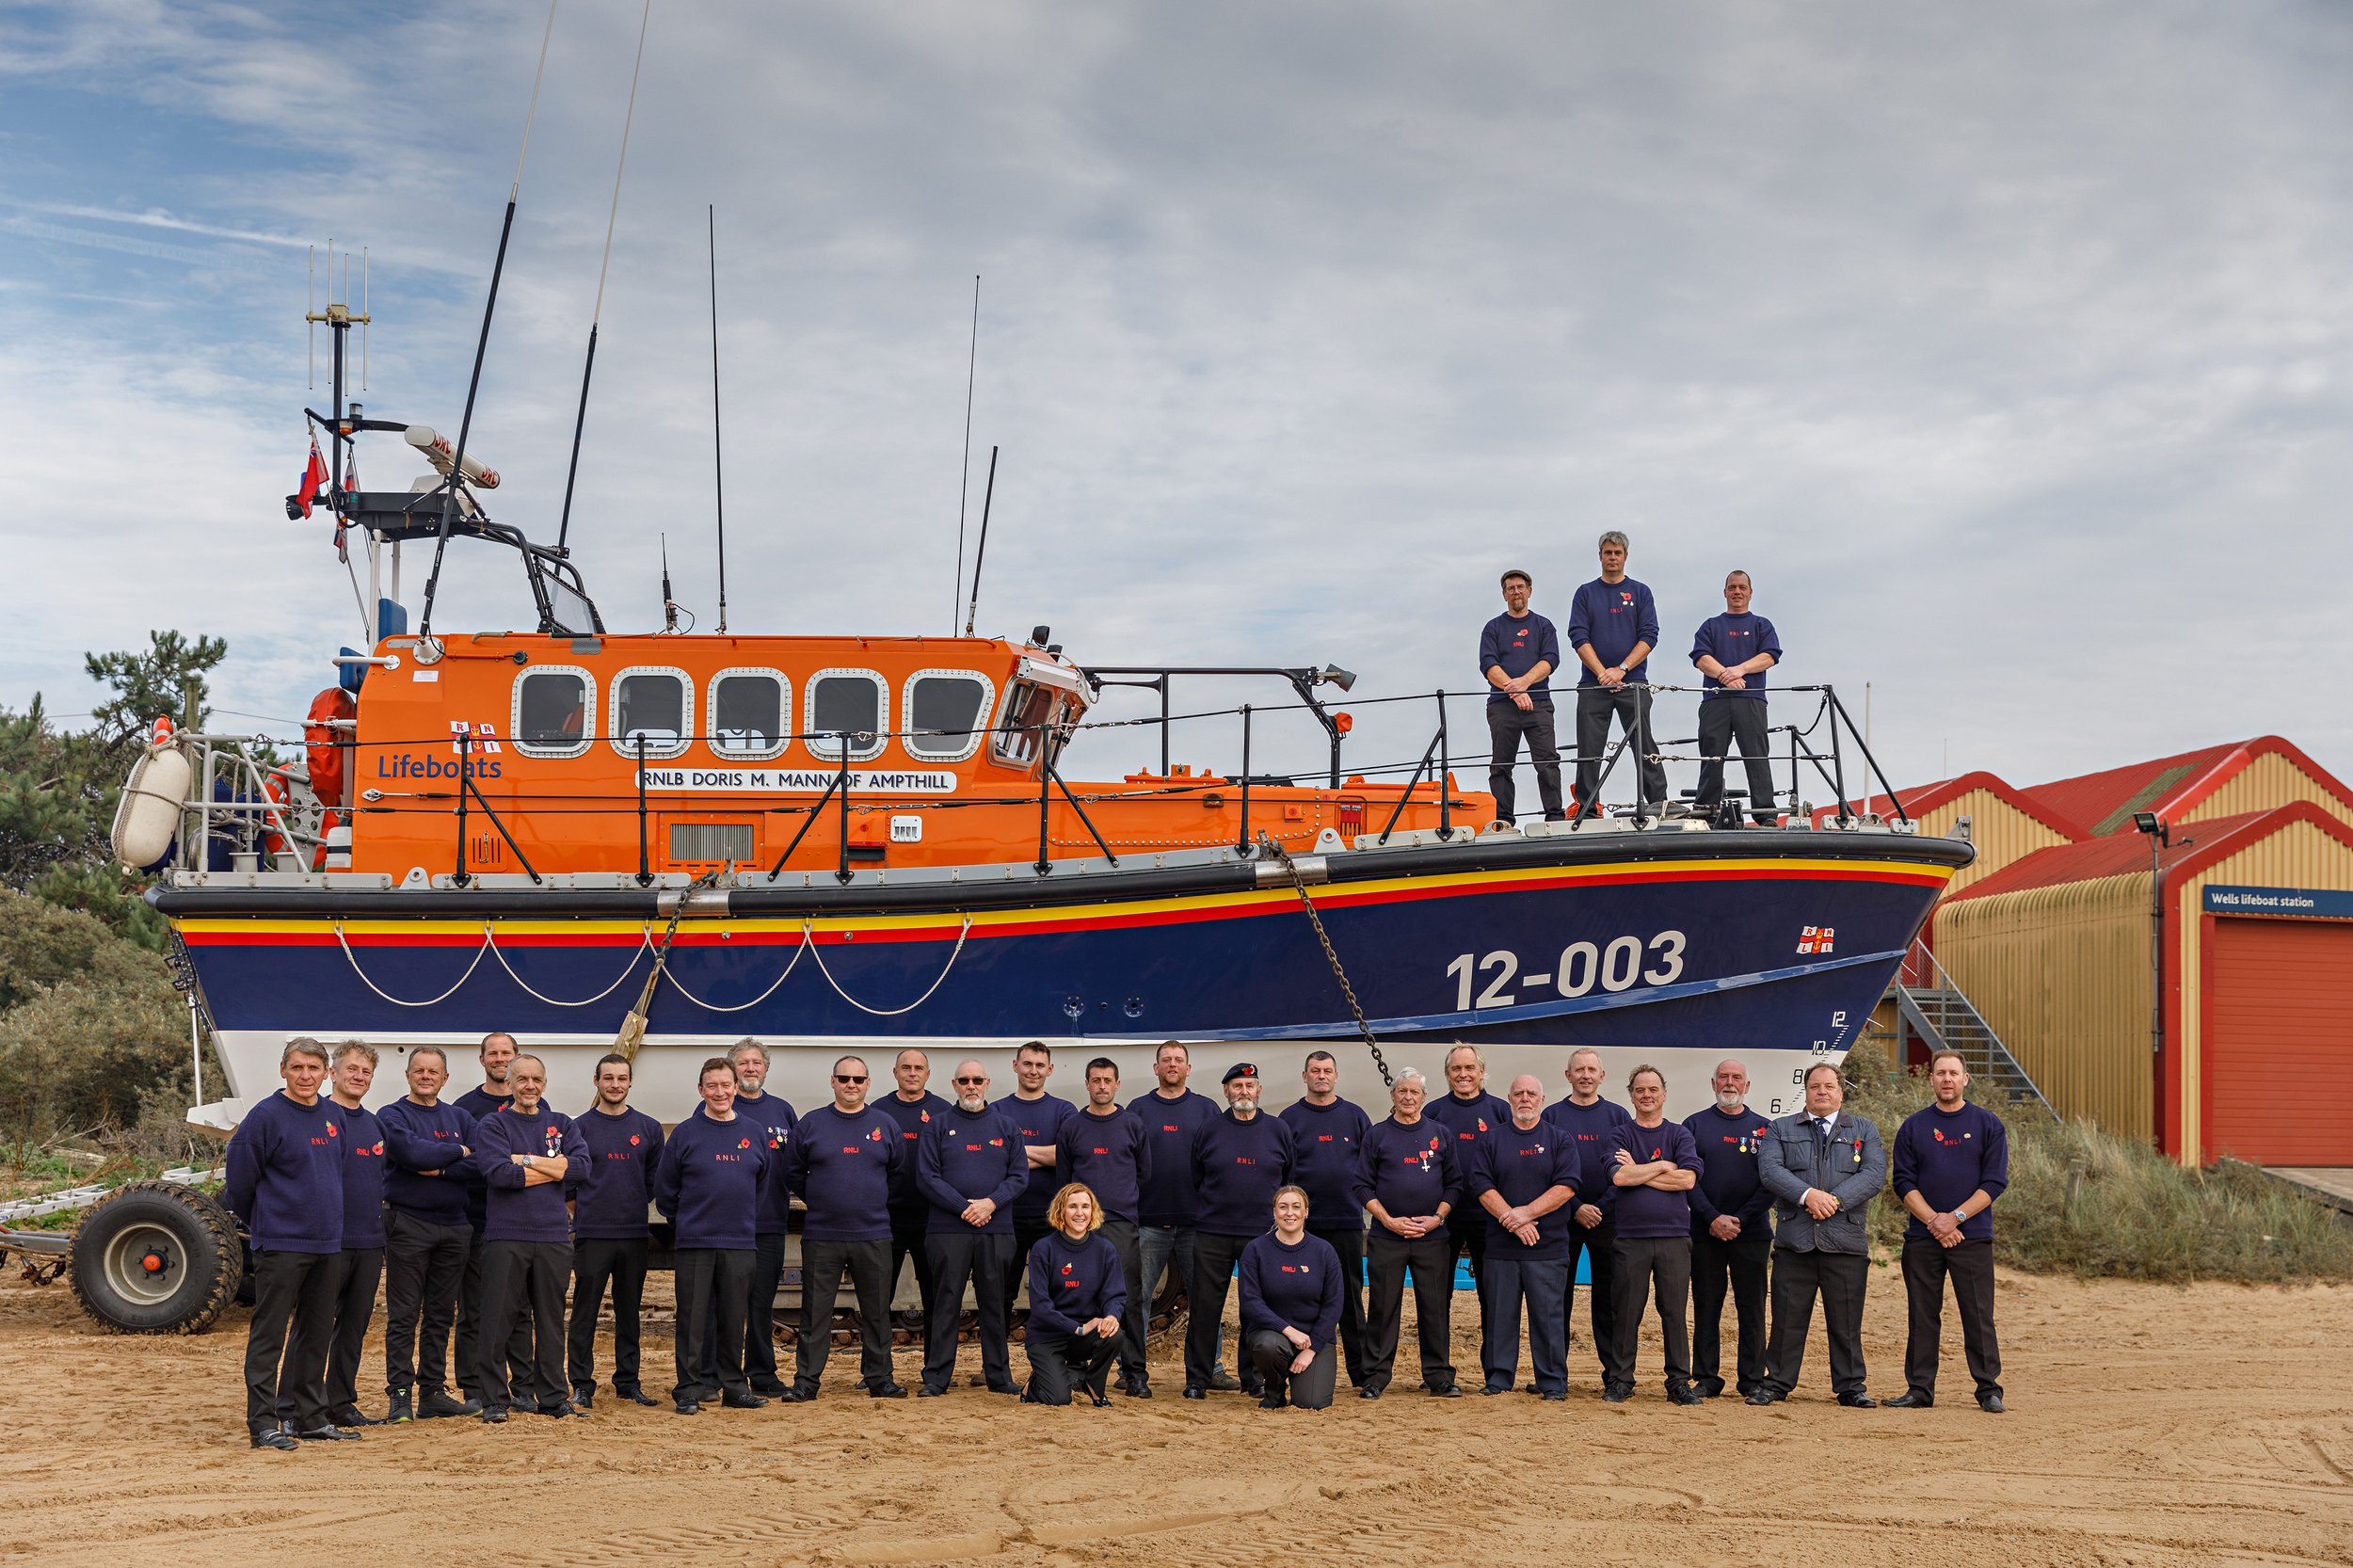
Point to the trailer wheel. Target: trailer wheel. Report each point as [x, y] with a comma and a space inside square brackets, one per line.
[156, 1258]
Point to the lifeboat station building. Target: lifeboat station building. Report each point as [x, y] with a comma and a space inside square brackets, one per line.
[2164, 947]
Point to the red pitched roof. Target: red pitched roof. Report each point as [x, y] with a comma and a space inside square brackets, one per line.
[2169, 786]
[2121, 854]
[1921, 799]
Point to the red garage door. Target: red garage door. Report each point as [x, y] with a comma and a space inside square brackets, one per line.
[2279, 1041]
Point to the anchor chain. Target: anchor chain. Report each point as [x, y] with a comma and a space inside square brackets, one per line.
[1299, 884]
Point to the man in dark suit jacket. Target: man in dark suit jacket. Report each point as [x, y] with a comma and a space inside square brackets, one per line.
[1823, 1167]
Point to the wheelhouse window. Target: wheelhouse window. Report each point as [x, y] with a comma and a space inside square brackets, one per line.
[651, 704]
[1029, 707]
[847, 702]
[946, 712]
[551, 707]
[750, 710]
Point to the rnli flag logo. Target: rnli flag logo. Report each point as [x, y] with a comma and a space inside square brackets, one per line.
[1816, 938]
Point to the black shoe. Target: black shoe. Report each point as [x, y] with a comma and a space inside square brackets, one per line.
[1710, 1388]
[635, 1396]
[1226, 1382]
[797, 1394]
[559, 1410]
[493, 1417]
[772, 1387]
[1136, 1387]
[1491, 1388]
[1616, 1394]
[1684, 1394]
[1446, 1391]
[328, 1434]
[1763, 1396]
[928, 1392]
[734, 1401]
[275, 1436]
[437, 1401]
[585, 1397]
[1370, 1391]
[352, 1415]
[1193, 1391]
[975, 1379]
[1991, 1403]
[1556, 1395]
[1911, 1398]
[398, 1409]
[1858, 1402]
[886, 1391]
[688, 1407]
[1102, 1401]
[1274, 1402]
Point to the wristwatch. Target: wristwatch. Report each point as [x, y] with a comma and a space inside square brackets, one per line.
[1958, 1218]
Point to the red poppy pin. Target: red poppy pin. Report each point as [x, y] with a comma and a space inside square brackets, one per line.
[633, 1140]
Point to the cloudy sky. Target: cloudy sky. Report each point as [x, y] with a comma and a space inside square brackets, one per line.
[2010, 347]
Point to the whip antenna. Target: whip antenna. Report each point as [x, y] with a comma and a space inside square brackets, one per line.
[981, 554]
[963, 477]
[564, 527]
[718, 471]
[489, 306]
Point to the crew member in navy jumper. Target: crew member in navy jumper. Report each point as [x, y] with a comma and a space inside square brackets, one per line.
[1613, 625]
[1105, 1149]
[1290, 1307]
[1407, 1180]
[285, 1183]
[610, 1232]
[1524, 1175]
[1328, 1138]
[1951, 1160]
[914, 1108]
[1239, 1159]
[1469, 1114]
[497, 1055]
[1039, 1115]
[714, 1168]
[1518, 651]
[1732, 651]
[427, 1238]
[1732, 1234]
[839, 1164]
[775, 1116]
[531, 1162]
[1171, 1114]
[970, 1165]
[1076, 1294]
[1589, 1119]
[1656, 1163]
[359, 1267]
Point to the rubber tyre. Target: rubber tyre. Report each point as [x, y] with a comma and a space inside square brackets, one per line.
[196, 1240]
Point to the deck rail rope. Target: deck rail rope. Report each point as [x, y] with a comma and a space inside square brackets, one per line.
[645, 940]
[352, 958]
[746, 1006]
[809, 943]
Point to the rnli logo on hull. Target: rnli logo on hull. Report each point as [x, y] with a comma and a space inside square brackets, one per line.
[876, 781]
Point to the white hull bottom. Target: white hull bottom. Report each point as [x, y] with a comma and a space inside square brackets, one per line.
[801, 1068]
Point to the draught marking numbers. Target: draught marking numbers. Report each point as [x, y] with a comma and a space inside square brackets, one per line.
[1583, 965]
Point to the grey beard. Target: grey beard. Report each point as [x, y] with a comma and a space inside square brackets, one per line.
[1728, 1099]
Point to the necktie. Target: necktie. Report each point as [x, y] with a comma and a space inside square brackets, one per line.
[1821, 1137]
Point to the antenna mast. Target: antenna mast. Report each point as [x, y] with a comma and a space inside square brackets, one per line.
[963, 477]
[718, 470]
[981, 554]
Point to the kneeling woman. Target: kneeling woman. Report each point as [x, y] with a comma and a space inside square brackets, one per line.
[1290, 1308]
[1077, 1293]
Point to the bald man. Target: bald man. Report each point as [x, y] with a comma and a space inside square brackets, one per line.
[1732, 1234]
[970, 1164]
[914, 1107]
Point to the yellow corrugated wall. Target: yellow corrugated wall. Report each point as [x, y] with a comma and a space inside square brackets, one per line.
[2267, 781]
[2001, 832]
[2062, 974]
[2297, 855]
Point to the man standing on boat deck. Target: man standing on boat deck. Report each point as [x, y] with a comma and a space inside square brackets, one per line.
[773, 1115]
[1106, 1150]
[1327, 1140]
[1518, 651]
[285, 1183]
[610, 1233]
[1171, 1114]
[1952, 1161]
[840, 1163]
[1732, 651]
[428, 1238]
[1238, 1160]
[1469, 1114]
[533, 1162]
[1823, 1167]
[970, 1165]
[914, 1107]
[1039, 1115]
[359, 1267]
[1613, 625]
[497, 1055]
[1589, 1119]
[1732, 1234]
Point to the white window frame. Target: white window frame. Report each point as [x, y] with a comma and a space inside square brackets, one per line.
[980, 720]
[808, 712]
[784, 713]
[587, 709]
[621, 743]
[998, 735]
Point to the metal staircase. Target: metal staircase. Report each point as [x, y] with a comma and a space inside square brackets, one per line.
[1937, 1010]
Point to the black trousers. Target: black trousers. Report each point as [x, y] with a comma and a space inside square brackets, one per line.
[597, 1261]
[757, 1337]
[910, 1233]
[1028, 1230]
[1742, 1263]
[1467, 1232]
[1601, 1311]
[472, 1308]
[1270, 1355]
[286, 1343]
[712, 1282]
[1506, 723]
[357, 1271]
[1062, 1364]
[1724, 721]
[424, 1265]
[523, 1306]
[1838, 1278]
[1928, 1263]
[1213, 1260]
[1135, 1321]
[954, 1257]
[868, 1265]
[1630, 706]
[1349, 1245]
[1389, 1256]
[1648, 1270]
